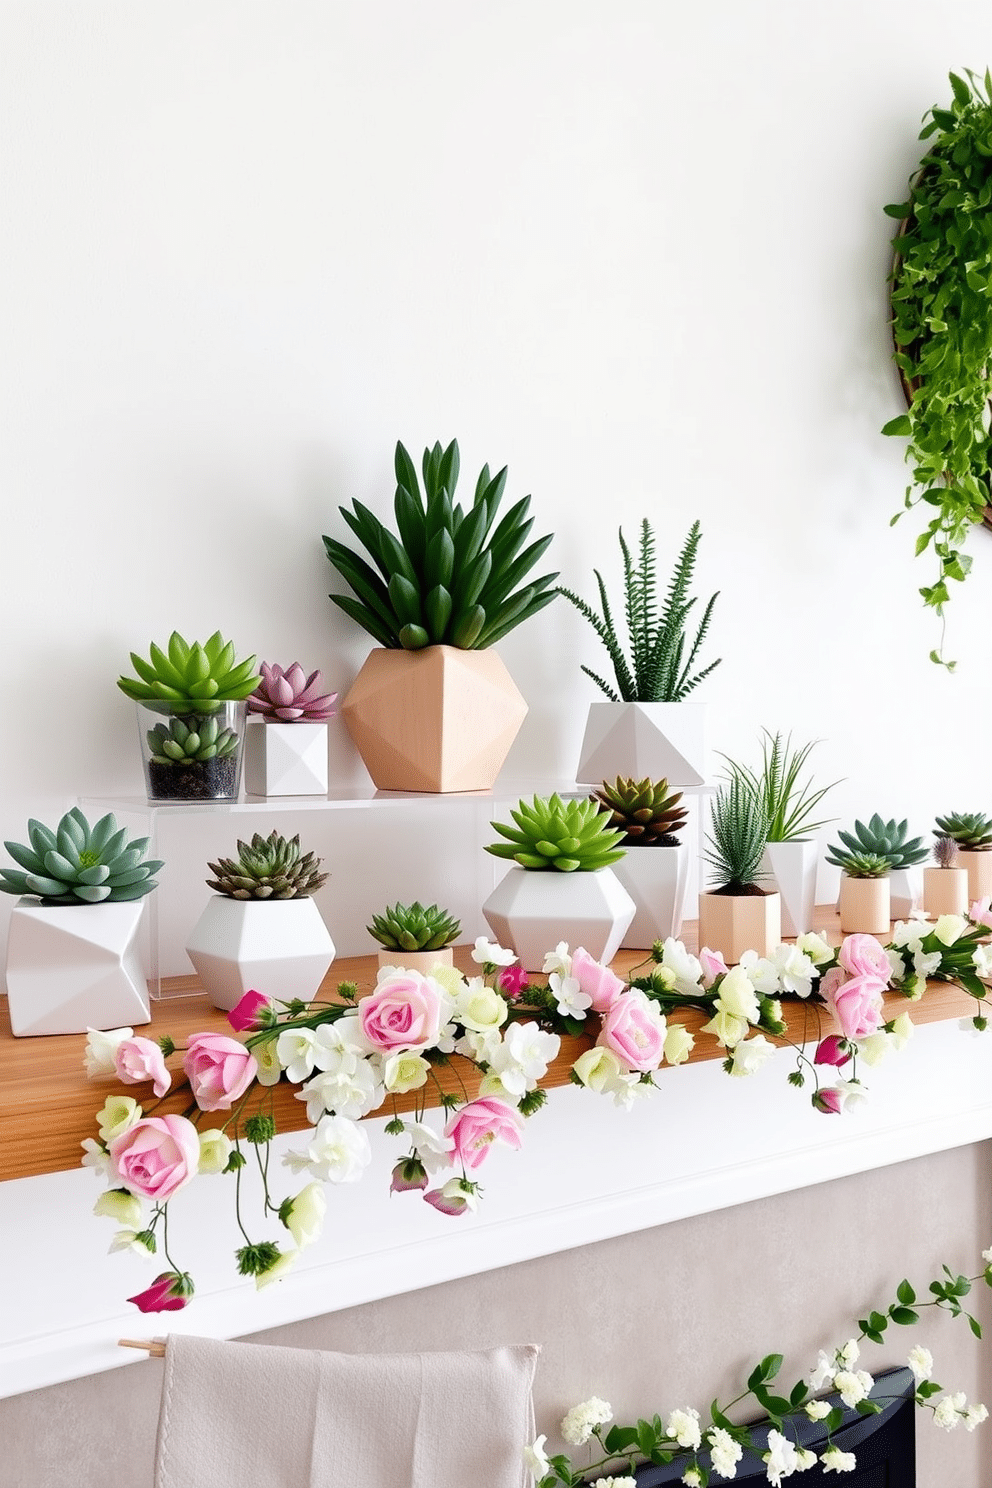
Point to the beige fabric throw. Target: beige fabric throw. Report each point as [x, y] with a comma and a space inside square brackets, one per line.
[245, 1415]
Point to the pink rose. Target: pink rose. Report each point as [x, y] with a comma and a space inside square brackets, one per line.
[981, 911]
[478, 1125]
[249, 1014]
[634, 1029]
[856, 1002]
[862, 955]
[596, 981]
[834, 1049]
[167, 1293]
[404, 1012]
[140, 1059]
[713, 966]
[219, 1070]
[156, 1157]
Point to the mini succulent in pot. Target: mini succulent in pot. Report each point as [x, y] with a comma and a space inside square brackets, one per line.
[412, 927]
[563, 836]
[290, 696]
[80, 864]
[272, 867]
[883, 839]
[645, 811]
[971, 831]
[736, 839]
[182, 742]
[859, 864]
[451, 577]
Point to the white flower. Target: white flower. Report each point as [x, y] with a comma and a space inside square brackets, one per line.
[815, 947]
[127, 1240]
[479, 1007]
[285, 1262]
[117, 1115]
[347, 1091]
[294, 1050]
[684, 966]
[750, 1054]
[304, 1218]
[403, 1072]
[834, 1460]
[339, 1152]
[852, 1094]
[572, 1001]
[822, 1375]
[123, 1207]
[725, 1452]
[215, 1149]
[949, 928]
[908, 933]
[903, 1029]
[780, 1460]
[853, 1384]
[479, 1047]
[760, 972]
[849, 1353]
[100, 1054]
[683, 1426]
[925, 963]
[269, 1068]
[599, 1069]
[577, 1425]
[331, 1040]
[874, 1047]
[727, 1029]
[737, 996]
[948, 1410]
[804, 1459]
[974, 1416]
[625, 1482]
[95, 1156]
[678, 1044]
[987, 1256]
[817, 1410]
[535, 1457]
[982, 957]
[690, 1477]
[487, 952]
[558, 960]
[432, 1147]
[921, 1362]
[524, 1056]
[897, 966]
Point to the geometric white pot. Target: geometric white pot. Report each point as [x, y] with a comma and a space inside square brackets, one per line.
[791, 868]
[286, 759]
[657, 741]
[72, 967]
[905, 892]
[657, 879]
[531, 910]
[278, 947]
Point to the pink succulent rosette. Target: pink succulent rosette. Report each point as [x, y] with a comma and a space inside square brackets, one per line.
[290, 696]
[140, 1059]
[856, 1002]
[404, 1012]
[864, 956]
[596, 981]
[479, 1124]
[156, 1157]
[219, 1070]
[634, 1029]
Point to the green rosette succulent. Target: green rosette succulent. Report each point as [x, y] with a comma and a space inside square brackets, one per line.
[885, 839]
[565, 836]
[183, 741]
[273, 867]
[80, 864]
[859, 864]
[969, 829]
[645, 811]
[411, 927]
[193, 676]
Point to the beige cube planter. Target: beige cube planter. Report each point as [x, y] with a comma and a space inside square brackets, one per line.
[864, 905]
[435, 720]
[979, 869]
[945, 891]
[735, 923]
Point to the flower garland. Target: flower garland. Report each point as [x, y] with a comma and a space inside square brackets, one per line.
[351, 1056]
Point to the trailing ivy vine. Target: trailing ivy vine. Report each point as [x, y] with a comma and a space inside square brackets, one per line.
[942, 328]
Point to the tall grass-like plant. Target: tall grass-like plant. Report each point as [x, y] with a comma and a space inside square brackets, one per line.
[657, 665]
[789, 802]
[737, 837]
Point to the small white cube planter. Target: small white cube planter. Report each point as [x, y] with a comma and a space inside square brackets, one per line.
[72, 967]
[657, 741]
[657, 879]
[530, 911]
[279, 947]
[286, 759]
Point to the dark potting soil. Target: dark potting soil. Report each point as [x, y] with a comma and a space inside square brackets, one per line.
[202, 780]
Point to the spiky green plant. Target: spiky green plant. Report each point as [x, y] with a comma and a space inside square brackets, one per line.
[450, 577]
[412, 927]
[737, 836]
[646, 811]
[859, 864]
[969, 829]
[183, 741]
[788, 801]
[80, 864]
[569, 836]
[945, 851]
[194, 675]
[272, 867]
[885, 839]
[659, 667]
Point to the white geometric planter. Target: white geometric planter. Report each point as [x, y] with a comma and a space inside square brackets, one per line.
[530, 911]
[791, 866]
[72, 967]
[286, 759]
[905, 892]
[280, 948]
[657, 741]
[657, 879]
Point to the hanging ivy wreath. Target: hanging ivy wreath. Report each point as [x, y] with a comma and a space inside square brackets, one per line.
[942, 329]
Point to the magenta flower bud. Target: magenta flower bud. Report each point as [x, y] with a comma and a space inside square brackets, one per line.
[834, 1049]
[167, 1293]
[407, 1174]
[827, 1101]
[454, 1198]
[247, 1015]
[512, 981]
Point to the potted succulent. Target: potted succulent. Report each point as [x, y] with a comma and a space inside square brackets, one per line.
[890, 840]
[415, 937]
[945, 886]
[864, 890]
[435, 709]
[790, 855]
[191, 717]
[655, 867]
[72, 951]
[561, 885]
[261, 930]
[646, 729]
[973, 834]
[286, 739]
[738, 914]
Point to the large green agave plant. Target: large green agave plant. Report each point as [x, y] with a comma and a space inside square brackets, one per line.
[567, 836]
[450, 577]
[80, 864]
[191, 675]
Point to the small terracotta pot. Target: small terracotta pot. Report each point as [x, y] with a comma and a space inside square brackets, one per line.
[735, 923]
[979, 868]
[864, 905]
[945, 891]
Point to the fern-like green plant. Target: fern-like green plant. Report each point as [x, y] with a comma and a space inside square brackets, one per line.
[788, 801]
[737, 836]
[657, 666]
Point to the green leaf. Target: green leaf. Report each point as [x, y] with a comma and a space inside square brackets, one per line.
[905, 1293]
[962, 92]
[900, 425]
[904, 1316]
[975, 1326]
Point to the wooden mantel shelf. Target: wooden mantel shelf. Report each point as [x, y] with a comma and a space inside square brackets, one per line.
[48, 1105]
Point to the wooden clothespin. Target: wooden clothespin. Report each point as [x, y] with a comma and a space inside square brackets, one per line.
[152, 1346]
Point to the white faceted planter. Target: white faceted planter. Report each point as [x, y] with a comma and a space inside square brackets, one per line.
[791, 867]
[279, 947]
[73, 967]
[286, 759]
[530, 911]
[656, 741]
[657, 879]
[905, 892]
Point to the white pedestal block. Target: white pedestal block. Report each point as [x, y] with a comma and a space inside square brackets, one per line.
[286, 759]
[530, 911]
[280, 948]
[73, 967]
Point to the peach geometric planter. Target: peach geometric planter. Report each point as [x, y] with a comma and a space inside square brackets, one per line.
[422, 961]
[437, 720]
[979, 867]
[945, 891]
[735, 923]
[864, 905]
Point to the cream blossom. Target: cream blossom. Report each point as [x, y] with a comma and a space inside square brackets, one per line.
[834, 1460]
[126, 1208]
[100, 1054]
[949, 1410]
[118, 1114]
[479, 1007]
[285, 1262]
[982, 958]
[269, 1068]
[488, 953]
[304, 1215]
[725, 1452]
[737, 996]
[683, 965]
[853, 1384]
[403, 1072]
[578, 1423]
[949, 928]
[679, 1043]
[215, 1150]
[920, 1362]
[683, 1426]
[818, 1410]
[750, 1054]
[727, 1029]
[819, 950]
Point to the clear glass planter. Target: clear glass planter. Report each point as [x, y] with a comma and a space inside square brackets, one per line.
[192, 753]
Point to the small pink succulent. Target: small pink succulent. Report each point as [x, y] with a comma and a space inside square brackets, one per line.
[291, 696]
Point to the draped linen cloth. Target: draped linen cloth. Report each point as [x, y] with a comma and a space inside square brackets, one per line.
[240, 1414]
